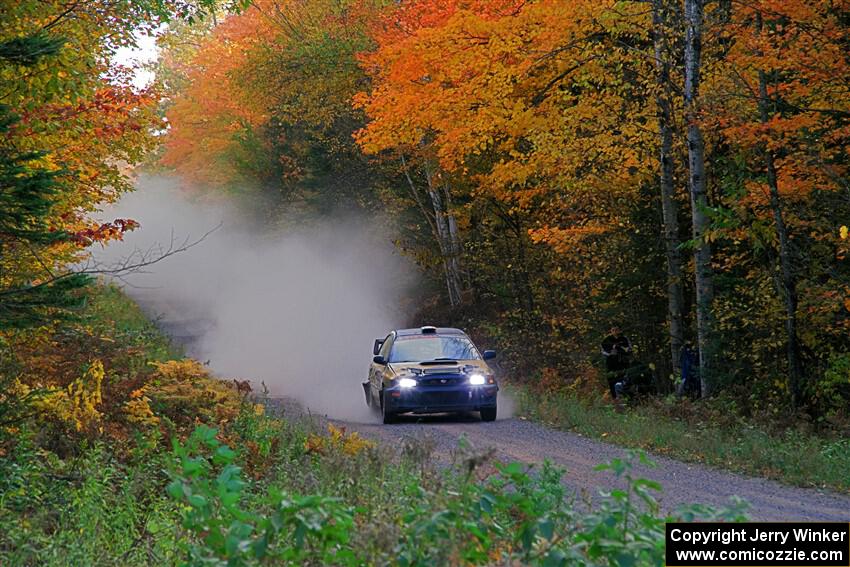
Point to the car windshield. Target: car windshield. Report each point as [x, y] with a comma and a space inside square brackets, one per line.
[419, 349]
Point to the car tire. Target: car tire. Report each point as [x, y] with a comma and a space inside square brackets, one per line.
[488, 414]
[386, 416]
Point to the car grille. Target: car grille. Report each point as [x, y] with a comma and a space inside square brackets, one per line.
[437, 399]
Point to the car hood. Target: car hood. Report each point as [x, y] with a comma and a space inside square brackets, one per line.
[460, 366]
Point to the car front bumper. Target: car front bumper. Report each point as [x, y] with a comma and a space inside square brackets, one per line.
[432, 399]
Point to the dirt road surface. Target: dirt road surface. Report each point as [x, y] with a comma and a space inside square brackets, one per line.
[515, 439]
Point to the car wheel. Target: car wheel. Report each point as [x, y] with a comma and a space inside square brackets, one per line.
[488, 414]
[386, 416]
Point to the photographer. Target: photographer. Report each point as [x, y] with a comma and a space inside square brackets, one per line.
[617, 350]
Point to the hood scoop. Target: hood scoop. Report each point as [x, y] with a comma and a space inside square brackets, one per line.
[446, 362]
[443, 370]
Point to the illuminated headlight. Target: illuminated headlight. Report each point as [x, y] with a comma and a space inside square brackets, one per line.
[477, 379]
[407, 382]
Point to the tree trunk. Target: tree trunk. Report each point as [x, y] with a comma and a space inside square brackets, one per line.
[669, 208]
[443, 225]
[703, 276]
[446, 226]
[788, 281]
[453, 240]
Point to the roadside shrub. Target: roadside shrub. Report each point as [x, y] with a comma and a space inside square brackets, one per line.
[138, 410]
[76, 405]
[92, 510]
[337, 439]
[830, 394]
[223, 531]
[185, 392]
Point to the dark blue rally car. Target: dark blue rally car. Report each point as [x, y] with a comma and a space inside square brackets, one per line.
[430, 370]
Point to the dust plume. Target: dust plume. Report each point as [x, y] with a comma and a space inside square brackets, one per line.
[297, 309]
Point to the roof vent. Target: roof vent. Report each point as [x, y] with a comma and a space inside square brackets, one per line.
[428, 330]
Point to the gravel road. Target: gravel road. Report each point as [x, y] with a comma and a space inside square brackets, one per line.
[519, 440]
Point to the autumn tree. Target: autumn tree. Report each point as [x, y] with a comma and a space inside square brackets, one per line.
[703, 272]
[239, 124]
[403, 69]
[781, 102]
[27, 195]
[72, 127]
[536, 113]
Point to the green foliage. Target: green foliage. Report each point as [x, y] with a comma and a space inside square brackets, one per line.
[109, 312]
[28, 193]
[27, 50]
[298, 529]
[92, 510]
[829, 394]
[517, 514]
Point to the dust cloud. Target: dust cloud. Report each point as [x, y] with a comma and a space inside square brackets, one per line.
[297, 309]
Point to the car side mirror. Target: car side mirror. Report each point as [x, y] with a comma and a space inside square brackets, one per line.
[378, 359]
[376, 348]
[489, 354]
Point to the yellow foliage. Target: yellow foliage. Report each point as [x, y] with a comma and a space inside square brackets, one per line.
[184, 391]
[17, 390]
[77, 403]
[186, 370]
[138, 410]
[350, 444]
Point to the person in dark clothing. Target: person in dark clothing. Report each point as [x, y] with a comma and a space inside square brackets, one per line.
[617, 350]
[689, 363]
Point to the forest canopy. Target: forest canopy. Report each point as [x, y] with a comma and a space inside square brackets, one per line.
[676, 169]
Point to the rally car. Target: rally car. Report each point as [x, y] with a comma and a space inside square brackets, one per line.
[430, 370]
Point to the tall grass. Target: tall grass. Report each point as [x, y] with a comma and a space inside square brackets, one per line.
[792, 457]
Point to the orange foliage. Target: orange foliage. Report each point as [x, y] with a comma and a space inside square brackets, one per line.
[526, 87]
[799, 47]
[205, 118]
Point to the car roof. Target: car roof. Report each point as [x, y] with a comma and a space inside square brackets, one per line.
[437, 331]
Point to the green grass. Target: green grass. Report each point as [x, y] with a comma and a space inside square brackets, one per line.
[112, 313]
[793, 457]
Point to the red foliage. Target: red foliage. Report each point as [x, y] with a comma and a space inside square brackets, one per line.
[105, 232]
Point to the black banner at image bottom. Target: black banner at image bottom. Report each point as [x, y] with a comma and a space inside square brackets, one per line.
[761, 544]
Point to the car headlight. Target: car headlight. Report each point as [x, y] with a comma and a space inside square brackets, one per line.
[477, 380]
[407, 382]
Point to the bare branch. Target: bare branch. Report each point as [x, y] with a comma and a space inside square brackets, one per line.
[133, 263]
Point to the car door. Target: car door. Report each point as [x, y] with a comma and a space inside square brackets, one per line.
[376, 371]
